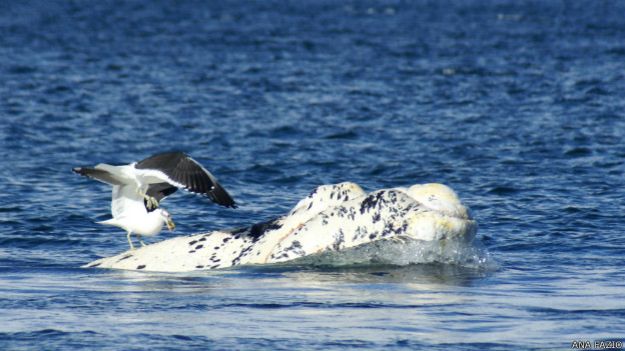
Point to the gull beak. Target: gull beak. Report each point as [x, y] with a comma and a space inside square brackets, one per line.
[170, 224]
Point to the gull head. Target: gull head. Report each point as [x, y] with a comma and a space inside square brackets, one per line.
[167, 218]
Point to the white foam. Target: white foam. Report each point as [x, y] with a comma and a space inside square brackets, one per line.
[470, 255]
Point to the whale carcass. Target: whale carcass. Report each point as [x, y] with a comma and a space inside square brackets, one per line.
[332, 218]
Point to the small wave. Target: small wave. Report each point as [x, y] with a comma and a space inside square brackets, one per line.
[401, 253]
[45, 334]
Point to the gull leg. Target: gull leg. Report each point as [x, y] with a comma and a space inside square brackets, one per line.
[132, 247]
[141, 241]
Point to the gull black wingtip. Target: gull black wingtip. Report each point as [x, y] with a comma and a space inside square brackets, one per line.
[85, 172]
[172, 170]
[227, 203]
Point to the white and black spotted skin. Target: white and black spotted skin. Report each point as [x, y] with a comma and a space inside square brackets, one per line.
[331, 218]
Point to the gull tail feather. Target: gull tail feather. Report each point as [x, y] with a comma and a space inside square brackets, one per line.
[111, 221]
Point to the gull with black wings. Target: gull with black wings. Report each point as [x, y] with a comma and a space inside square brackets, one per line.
[140, 186]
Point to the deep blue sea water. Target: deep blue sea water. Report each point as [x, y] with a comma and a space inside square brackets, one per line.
[517, 105]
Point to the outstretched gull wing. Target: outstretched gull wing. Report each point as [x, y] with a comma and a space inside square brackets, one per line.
[99, 174]
[125, 201]
[182, 171]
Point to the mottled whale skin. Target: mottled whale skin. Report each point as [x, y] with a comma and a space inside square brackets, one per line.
[331, 218]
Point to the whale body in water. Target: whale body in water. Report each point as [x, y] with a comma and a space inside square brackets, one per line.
[332, 218]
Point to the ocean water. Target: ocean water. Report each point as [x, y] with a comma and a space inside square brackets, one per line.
[517, 105]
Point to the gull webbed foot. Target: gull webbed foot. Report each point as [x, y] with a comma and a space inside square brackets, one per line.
[151, 203]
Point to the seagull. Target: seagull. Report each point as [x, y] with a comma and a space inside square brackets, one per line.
[140, 186]
[130, 214]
